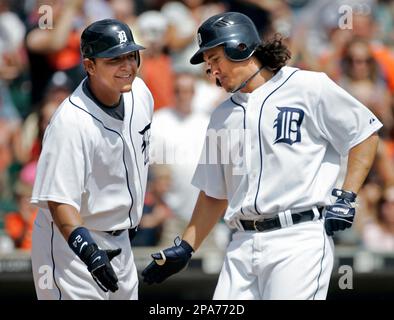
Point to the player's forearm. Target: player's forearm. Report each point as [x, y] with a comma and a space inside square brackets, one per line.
[66, 217]
[43, 40]
[360, 161]
[64, 25]
[206, 214]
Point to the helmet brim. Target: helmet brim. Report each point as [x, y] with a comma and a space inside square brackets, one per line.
[119, 50]
[198, 56]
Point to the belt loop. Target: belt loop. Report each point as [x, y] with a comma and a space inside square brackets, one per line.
[289, 218]
[239, 224]
[316, 213]
[282, 219]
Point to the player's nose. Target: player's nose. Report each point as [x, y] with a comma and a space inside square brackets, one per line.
[128, 63]
[215, 71]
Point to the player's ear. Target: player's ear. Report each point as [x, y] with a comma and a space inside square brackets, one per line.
[89, 65]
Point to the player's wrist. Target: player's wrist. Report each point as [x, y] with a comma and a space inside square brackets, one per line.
[82, 243]
[186, 246]
[347, 195]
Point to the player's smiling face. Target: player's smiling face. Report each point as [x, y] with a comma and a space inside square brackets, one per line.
[119, 71]
[229, 74]
[112, 76]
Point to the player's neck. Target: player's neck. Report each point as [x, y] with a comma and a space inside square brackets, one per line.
[102, 94]
[262, 77]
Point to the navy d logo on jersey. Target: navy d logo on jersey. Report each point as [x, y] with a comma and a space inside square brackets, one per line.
[287, 124]
[145, 142]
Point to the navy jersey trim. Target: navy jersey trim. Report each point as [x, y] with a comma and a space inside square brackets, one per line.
[53, 263]
[124, 147]
[321, 263]
[260, 143]
[135, 154]
[243, 109]
[244, 124]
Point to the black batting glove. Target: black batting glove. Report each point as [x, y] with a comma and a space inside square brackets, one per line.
[97, 260]
[340, 215]
[166, 263]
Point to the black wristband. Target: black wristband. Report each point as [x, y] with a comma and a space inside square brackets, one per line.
[343, 194]
[186, 246]
[79, 241]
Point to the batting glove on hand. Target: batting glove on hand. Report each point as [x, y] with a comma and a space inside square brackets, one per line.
[166, 263]
[340, 215]
[98, 262]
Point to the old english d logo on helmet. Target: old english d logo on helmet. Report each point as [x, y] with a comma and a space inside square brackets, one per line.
[233, 30]
[122, 37]
[199, 40]
[108, 38]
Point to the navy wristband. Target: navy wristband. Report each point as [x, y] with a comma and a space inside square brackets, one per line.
[79, 240]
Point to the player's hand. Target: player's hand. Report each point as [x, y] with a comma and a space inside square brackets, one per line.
[98, 262]
[166, 263]
[340, 215]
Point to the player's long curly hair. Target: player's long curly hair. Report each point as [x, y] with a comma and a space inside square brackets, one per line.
[273, 54]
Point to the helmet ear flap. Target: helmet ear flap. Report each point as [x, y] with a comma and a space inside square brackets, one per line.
[238, 51]
[138, 58]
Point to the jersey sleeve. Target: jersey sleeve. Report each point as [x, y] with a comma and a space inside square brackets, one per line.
[60, 171]
[209, 175]
[342, 119]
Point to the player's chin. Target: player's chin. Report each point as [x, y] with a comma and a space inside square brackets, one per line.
[228, 88]
[125, 88]
[125, 84]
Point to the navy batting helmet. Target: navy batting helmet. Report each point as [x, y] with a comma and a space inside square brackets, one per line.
[234, 30]
[108, 38]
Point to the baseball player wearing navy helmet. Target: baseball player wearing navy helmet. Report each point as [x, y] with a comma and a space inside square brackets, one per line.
[296, 125]
[92, 174]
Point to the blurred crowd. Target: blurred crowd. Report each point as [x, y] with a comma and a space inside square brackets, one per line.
[40, 65]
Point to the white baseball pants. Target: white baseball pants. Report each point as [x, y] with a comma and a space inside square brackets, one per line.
[290, 264]
[60, 275]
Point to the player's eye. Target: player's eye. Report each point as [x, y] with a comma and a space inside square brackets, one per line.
[132, 56]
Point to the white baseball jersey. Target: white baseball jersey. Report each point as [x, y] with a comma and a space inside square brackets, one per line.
[296, 127]
[96, 163]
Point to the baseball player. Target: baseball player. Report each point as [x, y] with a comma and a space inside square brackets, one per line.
[92, 174]
[297, 124]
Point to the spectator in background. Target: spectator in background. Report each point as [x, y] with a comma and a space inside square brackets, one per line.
[56, 49]
[378, 233]
[19, 225]
[362, 78]
[177, 140]
[184, 18]
[11, 43]
[155, 211]
[156, 69]
[7, 134]
[124, 10]
[365, 27]
[58, 89]
[12, 32]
